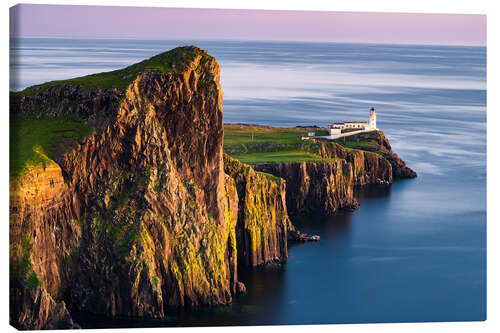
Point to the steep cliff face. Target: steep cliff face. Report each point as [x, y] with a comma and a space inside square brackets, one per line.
[139, 215]
[42, 234]
[261, 230]
[315, 186]
[399, 168]
[151, 191]
[369, 168]
[381, 145]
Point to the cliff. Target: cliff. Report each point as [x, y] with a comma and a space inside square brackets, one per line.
[378, 143]
[315, 186]
[262, 224]
[328, 186]
[138, 215]
[39, 243]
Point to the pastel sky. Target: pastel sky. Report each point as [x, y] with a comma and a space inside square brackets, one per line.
[182, 23]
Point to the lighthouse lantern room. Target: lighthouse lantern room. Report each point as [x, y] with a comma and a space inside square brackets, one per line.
[373, 118]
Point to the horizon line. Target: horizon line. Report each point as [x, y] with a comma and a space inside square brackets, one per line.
[247, 40]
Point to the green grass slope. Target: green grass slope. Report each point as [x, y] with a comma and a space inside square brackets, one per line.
[259, 144]
[174, 60]
[34, 140]
[362, 141]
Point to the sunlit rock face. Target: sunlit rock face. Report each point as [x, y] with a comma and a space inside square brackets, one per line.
[263, 223]
[139, 215]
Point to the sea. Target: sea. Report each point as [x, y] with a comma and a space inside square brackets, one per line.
[413, 252]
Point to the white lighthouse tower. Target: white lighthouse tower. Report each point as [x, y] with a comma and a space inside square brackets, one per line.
[373, 119]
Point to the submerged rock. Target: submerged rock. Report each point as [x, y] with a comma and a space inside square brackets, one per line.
[297, 236]
[240, 288]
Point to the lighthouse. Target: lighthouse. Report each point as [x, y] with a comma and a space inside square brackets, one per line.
[373, 119]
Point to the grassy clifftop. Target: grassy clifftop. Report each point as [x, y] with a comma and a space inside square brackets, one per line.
[35, 140]
[259, 144]
[363, 141]
[175, 60]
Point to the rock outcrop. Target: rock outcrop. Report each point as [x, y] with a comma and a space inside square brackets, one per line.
[65, 99]
[37, 310]
[382, 146]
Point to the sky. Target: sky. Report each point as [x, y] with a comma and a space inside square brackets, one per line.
[236, 24]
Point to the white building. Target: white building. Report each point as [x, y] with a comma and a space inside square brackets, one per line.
[334, 131]
[337, 127]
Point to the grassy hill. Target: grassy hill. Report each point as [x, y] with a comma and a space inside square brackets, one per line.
[259, 144]
[363, 141]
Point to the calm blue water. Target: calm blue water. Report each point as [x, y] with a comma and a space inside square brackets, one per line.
[416, 252]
